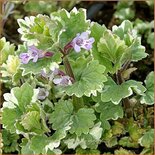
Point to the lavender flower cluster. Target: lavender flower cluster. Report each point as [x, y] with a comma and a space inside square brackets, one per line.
[57, 76]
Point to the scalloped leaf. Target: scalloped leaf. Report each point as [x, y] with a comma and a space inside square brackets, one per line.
[150, 40]
[113, 51]
[9, 117]
[6, 49]
[10, 67]
[115, 93]
[19, 97]
[97, 32]
[61, 117]
[89, 78]
[147, 139]
[90, 140]
[64, 117]
[83, 121]
[21, 113]
[31, 121]
[80, 151]
[35, 30]
[70, 27]
[122, 151]
[114, 112]
[43, 144]
[126, 32]
[38, 144]
[148, 98]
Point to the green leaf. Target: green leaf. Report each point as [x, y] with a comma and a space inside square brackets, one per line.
[10, 67]
[6, 49]
[9, 140]
[117, 128]
[55, 139]
[82, 121]
[40, 7]
[148, 98]
[23, 95]
[125, 13]
[90, 140]
[36, 68]
[62, 115]
[31, 121]
[134, 130]
[70, 27]
[42, 144]
[9, 117]
[147, 139]
[38, 144]
[150, 40]
[126, 32]
[115, 93]
[15, 104]
[122, 151]
[73, 142]
[21, 113]
[112, 50]
[89, 78]
[128, 142]
[97, 32]
[114, 112]
[137, 50]
[124, 10]
[35, 30]
[25, 147]
[80, 151]
[111, 142]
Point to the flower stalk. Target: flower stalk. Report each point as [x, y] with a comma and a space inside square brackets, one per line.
[77, 102]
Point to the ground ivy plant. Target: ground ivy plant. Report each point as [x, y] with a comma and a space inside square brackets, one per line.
[69, 86]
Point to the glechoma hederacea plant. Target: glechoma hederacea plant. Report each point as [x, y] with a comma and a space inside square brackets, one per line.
[70, 84]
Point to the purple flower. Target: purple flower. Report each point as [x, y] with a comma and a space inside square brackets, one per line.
[25, 57]
[82, 41]
[63, 81]
[51, 74]
[43, 93]
[34, 54]
[57, 76]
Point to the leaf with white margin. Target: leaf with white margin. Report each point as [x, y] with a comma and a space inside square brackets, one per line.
[115, 93]
[69, 21]
[112, 50]
[90, 140]
[64, 117]
[147, 139]
[83, 120]
[42, 143]
[126, 32]
[89, 78]
[108, 111]
[148, 97]
[15, 104]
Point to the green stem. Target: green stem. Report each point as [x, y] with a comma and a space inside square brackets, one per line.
[77, 102]
[68, 68]
[126, 102]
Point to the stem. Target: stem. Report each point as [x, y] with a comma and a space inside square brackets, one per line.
[68, 68]
[126, 102]
[77, 102]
